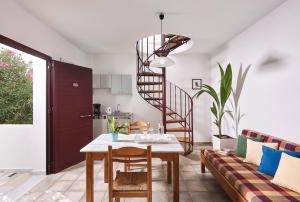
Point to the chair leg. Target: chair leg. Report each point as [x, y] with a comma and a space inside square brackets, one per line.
[149, 198]
[117, 199]
[202, 167]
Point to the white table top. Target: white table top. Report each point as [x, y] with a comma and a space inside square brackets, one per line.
[101, 143]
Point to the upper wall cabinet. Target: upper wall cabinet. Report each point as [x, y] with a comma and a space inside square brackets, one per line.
[105, 81]
[96, 81]
[102, 81]
[121, 84]
[126, 84]
[118, 83]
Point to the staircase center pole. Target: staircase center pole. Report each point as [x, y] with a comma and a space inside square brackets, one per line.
[164, 100]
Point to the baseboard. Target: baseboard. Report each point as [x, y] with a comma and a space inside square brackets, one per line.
[18, 170]
[202, 144]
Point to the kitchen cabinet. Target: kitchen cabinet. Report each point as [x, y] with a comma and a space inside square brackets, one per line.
[105, 81]
[96, 81]
[126, 84]
[116, 84]
[100, 125]
[121, 84]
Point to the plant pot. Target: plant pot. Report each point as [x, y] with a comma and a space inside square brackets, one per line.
[225, 142]
[114, 136]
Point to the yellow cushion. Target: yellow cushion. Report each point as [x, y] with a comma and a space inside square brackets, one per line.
[288, 174]
[254, 151]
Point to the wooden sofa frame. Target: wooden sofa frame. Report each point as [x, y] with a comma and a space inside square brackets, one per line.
[231, 191]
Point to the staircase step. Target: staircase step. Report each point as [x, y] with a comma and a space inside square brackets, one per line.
[175, 120]
[153, 98]
[157, 106]
[150, 91]
[184, 139]
[148, 83]
[181, 129]
[149, 74]
[170, 113]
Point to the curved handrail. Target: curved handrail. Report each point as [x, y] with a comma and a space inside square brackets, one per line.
[142, 66]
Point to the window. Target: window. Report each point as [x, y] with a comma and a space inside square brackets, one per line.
[16, 85]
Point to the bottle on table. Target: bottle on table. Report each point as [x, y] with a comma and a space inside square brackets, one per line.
[160, 128]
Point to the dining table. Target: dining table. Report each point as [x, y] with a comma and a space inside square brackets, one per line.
[166, 151]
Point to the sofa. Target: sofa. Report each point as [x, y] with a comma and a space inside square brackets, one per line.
[240, 180]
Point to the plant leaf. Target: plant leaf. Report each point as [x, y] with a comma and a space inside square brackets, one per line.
[230, 114]
[221, 70]
[214, 110]
[226, 85]
[240, 82]
[208, 89]
[123, 132]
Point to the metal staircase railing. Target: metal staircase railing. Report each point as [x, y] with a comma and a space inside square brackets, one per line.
[174, 102]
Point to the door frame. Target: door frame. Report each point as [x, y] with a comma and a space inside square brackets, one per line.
[14, 44]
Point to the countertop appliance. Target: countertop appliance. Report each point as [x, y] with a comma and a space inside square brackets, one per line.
[108, 110]
[96, 110]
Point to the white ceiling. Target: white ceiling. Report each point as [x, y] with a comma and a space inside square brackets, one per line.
[113, 26]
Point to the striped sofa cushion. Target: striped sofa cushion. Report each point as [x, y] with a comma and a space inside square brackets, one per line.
[252, 185]
[283, 144]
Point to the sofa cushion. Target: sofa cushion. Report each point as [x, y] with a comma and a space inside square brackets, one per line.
[252, 185]
[288, 174]
[283, 144]
[270, 160]
[254, 150]
[241, 148]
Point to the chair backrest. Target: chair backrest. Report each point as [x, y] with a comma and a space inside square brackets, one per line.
[137, 126]
[136, 155]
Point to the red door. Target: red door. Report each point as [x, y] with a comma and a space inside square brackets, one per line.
[71, 114]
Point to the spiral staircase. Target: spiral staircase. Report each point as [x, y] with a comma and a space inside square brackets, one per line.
[175, 104]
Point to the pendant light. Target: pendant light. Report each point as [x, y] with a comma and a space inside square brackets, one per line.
[161, 61]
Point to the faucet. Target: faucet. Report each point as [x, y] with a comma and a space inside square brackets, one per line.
[118, 111]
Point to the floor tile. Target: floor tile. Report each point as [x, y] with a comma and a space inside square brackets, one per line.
[193, 185]
[69, 185]
[74, 196]
[61, 186]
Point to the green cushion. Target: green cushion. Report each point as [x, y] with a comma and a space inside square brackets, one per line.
[241, 148]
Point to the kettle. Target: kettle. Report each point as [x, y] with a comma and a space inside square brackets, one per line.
[108, 110]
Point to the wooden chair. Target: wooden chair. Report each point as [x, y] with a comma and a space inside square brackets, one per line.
[130, 184]
[136, 127]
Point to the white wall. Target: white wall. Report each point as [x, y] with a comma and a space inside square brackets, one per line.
[24, 147]
[271, 93]
[19, 25]
[186, 68]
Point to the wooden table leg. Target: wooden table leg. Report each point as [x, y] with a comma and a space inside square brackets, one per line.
[169, 172]
[89, 178]
[176, 178]
[105, 169]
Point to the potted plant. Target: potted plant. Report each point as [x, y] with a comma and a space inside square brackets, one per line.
[220, 141]
[115, 129]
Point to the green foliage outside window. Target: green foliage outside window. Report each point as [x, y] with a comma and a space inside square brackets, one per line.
[15, 89]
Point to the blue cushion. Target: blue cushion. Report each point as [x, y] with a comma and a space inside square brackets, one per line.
[271, 158]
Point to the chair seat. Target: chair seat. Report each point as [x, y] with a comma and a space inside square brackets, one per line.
[130, 181]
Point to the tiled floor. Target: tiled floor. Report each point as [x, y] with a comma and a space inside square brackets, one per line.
[70, 184]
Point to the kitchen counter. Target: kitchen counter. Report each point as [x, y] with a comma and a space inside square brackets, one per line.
[120, 115]
[100, 124]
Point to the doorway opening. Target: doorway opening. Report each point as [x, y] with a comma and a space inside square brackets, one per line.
[23, 101]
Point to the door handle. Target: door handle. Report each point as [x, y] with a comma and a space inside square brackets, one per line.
[85, 116]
